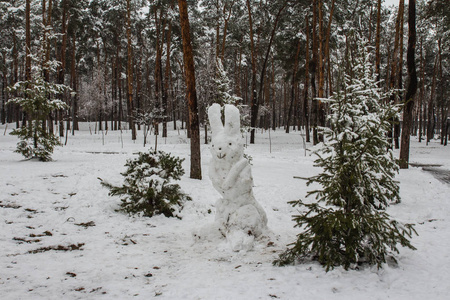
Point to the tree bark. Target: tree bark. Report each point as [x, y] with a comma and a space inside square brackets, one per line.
[400, 71]
[130, 75]
[4, 94]
[313, 69]
[27, 41]
[412, 87]
[306, 87]
[430, 106]
[27, 49]
[377, 43]
[166, 80]
[294, 81]
[194, 126]
[327, 47]
[225, 27]
[395, 65]
[254, 103]
[422, 90]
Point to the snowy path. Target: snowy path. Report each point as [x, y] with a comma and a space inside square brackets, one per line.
[439, 173]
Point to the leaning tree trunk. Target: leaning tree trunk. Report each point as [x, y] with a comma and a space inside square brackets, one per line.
[412, 87]
[196, 171]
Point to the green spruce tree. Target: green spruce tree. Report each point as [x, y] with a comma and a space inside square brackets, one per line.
[38, 100]
[348, 224]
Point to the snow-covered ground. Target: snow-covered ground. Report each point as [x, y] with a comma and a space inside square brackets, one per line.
[46, 208]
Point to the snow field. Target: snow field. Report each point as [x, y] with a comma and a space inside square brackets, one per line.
[114, 256]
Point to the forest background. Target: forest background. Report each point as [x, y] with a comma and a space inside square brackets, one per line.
[124, 60]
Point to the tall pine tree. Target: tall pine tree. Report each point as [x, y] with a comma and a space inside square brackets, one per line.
[38, 97]
[357, 181]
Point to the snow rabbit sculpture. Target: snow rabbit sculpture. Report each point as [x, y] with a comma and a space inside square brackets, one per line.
[238, 216]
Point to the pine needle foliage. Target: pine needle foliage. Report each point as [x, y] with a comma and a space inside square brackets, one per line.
[37, 101]
[223, 90]
[147, 189]
[348, 225]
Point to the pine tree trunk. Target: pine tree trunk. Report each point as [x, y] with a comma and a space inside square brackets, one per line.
[27, 40]
[430, 106]
[119, 86]
[139, 86]
[166, 80]
[225, 26]
[321, 106]
[422, 91]
[315, 106]
[306, 86]
[158, 65]
[194, 126]
[441, 94]
[27, 48]
[395, 65]
[377, 43]
[411, 89]
[15, 107]
[294, 81]
[74, 88]
[254, 103]
[4, 94]
[130, 75]
[274, 107]
[400, 71]
[327, 49]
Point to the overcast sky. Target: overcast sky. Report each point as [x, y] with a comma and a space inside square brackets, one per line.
[391, 2]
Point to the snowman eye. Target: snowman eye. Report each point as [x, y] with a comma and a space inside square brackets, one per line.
[212, 145]
[229, 144]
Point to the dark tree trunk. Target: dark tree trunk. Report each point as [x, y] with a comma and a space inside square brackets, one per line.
[166, 82]
[4, 94]
[377, 43]
[430, 106]
[306, 87]
[130, 75]
[313, 69]
[254, 103]
[411, 89]
[194, 126]
[294, 81]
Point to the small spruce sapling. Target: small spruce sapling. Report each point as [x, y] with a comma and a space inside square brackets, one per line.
[147, 187]
[357, 182]
[38, 102]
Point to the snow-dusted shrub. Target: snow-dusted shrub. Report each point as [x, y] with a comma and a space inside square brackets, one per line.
[147, 187]
[357, 181]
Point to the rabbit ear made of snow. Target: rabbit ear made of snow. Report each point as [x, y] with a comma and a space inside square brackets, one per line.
[232, 120]
[214, 115]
